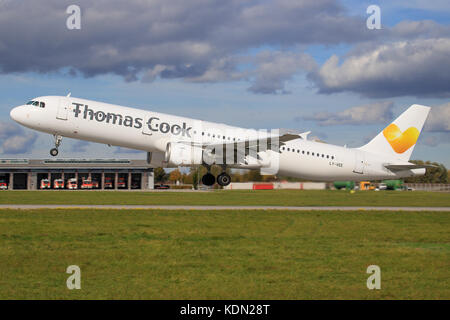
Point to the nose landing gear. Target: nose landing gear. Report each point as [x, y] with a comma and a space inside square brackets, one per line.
[54, 151]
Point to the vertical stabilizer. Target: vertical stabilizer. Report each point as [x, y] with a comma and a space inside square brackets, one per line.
[398, 139]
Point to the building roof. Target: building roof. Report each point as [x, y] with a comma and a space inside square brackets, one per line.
[72, 163]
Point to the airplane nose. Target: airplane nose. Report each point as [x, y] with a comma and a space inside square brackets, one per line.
[17, 114]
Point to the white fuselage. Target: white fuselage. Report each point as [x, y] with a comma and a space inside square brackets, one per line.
[151, 131]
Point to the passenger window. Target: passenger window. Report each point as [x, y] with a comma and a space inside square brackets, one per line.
[288, 149]
[42, 105]
[312, 153]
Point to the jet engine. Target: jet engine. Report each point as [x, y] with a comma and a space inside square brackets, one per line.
[155, 159]
[180, 154]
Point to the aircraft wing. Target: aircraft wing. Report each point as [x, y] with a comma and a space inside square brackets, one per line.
[283, 137]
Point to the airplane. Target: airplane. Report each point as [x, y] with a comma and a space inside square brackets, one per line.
[173, 141]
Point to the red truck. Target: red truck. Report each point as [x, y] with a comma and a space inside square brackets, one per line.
[108, 183]
[58, 184]
[86, 184]
[121, 183]
[3, 185]
[72, 184]
[45, 184]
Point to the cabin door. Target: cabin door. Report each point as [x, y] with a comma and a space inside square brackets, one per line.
[63, 109]
[359, 162]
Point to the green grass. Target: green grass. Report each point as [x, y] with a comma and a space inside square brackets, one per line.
[155, 254]
[235, 197]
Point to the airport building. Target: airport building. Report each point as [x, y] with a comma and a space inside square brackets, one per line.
[116, 174]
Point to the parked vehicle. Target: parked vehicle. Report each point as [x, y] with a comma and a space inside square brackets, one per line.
[382, 186]
[135, 184]
[162, 186]
[108, 183]
[94, 184]
[3, 185]
[45, 184]
[121, 183]
[86, 184]
[72, 184]
[58, 184]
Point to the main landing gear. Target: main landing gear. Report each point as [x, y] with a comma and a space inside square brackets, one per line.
[54, 151]
[223, 179]
[208, 179]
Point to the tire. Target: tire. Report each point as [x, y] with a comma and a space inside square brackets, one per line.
[54, 152]
[223, 179]
[208, 179]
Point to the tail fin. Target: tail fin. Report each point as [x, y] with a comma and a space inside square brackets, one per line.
[398, 139]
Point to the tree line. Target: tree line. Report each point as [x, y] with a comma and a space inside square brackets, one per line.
[436, 174]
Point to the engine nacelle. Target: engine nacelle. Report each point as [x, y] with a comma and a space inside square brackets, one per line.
[156, 159]
[180, 154]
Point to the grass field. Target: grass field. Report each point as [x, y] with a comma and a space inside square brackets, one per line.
[242, 197]
[223, 254]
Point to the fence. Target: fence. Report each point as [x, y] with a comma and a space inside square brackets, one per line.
[429, 186]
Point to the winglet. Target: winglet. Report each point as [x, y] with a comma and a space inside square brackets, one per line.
[304, 135]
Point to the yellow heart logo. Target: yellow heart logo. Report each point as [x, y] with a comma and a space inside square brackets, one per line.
[400, 141]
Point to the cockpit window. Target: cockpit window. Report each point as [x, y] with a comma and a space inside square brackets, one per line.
[36, 103]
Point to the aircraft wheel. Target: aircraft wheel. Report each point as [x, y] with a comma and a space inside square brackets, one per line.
[54, 152]
[223, 179]
[208, 179]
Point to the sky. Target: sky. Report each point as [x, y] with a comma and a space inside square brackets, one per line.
[297, 64]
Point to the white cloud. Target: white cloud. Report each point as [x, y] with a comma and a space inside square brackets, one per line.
[19, 143]
[7, 129]
[418, 68]
[14, 139]
[274, 69]
[439, 119]
[377, 112]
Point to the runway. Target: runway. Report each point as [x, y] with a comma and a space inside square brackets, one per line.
[215, 208]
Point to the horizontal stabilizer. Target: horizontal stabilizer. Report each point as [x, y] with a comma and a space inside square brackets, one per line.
[401, 167]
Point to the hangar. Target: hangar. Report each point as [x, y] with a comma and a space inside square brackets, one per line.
[116, 174]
